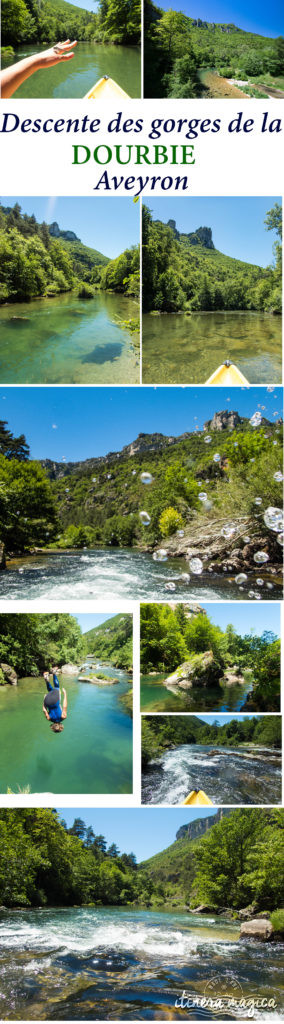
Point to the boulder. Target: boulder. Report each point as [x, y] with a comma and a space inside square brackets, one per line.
[2, 556]
[69, 670]
[9, 674]
[203, 909]
[259, 929]
[247, 913]
[199, 670]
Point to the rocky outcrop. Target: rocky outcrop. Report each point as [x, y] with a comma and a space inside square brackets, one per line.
[9, 674]
[199, 670]
[55, 232]
[203, 909]
[225, 420]
[98, 682]
[232, 676]
[69, 670]
[200, 826]
[259, 929]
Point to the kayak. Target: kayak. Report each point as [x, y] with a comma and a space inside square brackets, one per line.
[197, 798]
[227, 376]
[105, 89]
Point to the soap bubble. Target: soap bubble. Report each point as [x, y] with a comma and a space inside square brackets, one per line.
[241, 578]
[270, 388]
[260, 557]
[202, 496]
[180, 533]
[207, 505]
[258, 501]
[228, 530]
[236, 444]
[275, 443]
[134, 471]
[257, 596]
[207, 439]
[108, 476]
[145, 519]
[252, 460]
[170, 586]
[251, 593]
[146, 478]
[185, 577]
[278, 477]
[161, 555]
[185, 479]
[255, 420]
[94, 479]
[67, 490]
[273, 518]
[280, 539]
[260, 581]
[246, 540]
[216, 457]
[196, 566]
[269, 586]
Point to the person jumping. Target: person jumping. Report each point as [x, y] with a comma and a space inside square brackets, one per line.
[51, 707]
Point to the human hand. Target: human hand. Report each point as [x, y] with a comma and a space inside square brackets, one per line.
[57, 53]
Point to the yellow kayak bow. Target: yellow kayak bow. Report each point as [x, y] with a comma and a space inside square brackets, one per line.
[105, 89]
[197, 798]
[227, 375]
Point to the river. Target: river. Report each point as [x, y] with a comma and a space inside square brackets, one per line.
[107, 573]
[74, 341]
[156, 697]
[180, 349]
[114, 963]
[226, 777]
[92, 755]
[74, 78]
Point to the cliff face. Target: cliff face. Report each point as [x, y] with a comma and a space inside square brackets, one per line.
[195, 829]
[225, 420]
[55, 232]
[202, 236]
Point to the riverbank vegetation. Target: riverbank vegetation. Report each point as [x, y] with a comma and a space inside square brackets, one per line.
[178, 48]
[42, 22]
[170, 731]
[112, 641]
[39, 260]
[32, 643]
[170, 636]
[235, 860]
[185, 273]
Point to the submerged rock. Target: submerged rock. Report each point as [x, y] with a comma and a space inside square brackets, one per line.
[199, 670]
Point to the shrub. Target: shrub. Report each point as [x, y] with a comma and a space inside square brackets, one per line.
[277, 920]
[170, 521]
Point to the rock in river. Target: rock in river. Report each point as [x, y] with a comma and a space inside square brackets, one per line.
[259, 929]
[9, 674]
[199, 670]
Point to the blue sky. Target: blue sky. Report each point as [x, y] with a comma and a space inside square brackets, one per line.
[143, 831]
[86, 5]
[260, 17]
[237, 223]
[224, 719]
[245, 617]
[107, 225]
[90, 621]
[78, 423]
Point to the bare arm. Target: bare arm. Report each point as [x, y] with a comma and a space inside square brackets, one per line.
[14, 76]
[64, 709]
[45, 712]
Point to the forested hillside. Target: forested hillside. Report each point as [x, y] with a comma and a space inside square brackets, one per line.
[238, 860]
[170, 731]
[32, 643]
[184, 272]
[47, 21]
[177, 48]
[168, 637]
[112, 641]
[41, 260]
[99, 501]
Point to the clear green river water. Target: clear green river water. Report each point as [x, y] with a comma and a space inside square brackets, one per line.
[66, 340]
[179, 349]
[113, 963]
[74, 78]
[92, 755]
[156, 697]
